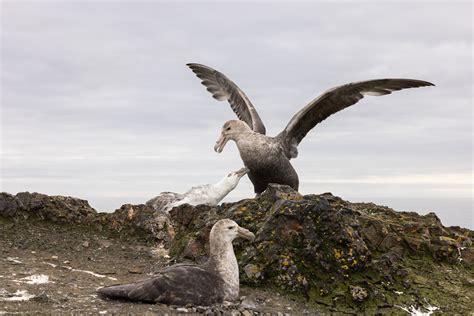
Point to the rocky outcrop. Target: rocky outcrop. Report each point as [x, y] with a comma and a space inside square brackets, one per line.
[129, 220]
[59, 209]
[336, 255]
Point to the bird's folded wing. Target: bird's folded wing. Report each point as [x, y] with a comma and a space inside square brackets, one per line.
[180, 285]
[222, 88]
[334, 100]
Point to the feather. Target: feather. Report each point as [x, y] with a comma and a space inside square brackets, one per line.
[335, 100]
[222, 88]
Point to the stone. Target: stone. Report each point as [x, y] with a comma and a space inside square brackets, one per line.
[248, 303]
[341, 256]
[358, 293]
[252, 271]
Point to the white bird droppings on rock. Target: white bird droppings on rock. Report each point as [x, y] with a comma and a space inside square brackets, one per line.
[36, 279]
[14, 260]
[417, 311]
[19, 295]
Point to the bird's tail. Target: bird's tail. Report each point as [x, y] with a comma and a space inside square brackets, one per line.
[116, 291]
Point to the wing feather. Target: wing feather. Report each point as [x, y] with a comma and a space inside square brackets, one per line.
[222, 88]
[176, 285]
[334, 100]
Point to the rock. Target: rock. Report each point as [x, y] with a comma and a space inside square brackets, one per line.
[467, 256]
[339, 256]
[42, 297]
[358, 293]
[248, 303]
[137, 220]
[141, 220]
[468, 281]
[252, 271]
[61, 209]
[135, 270]
[314, 245]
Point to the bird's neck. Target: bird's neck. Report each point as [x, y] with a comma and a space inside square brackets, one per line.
[222, 188]
[223, 259]
[243, 135]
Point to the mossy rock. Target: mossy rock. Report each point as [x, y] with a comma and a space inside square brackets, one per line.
[338, 256]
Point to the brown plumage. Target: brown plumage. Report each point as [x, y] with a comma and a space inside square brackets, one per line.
[182, 284]
[268, 157]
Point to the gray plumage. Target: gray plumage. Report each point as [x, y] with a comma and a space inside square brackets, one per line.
[268, 158]
[182, 284]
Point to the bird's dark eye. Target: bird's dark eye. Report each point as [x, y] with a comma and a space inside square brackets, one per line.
[230, 227]
[228, 128]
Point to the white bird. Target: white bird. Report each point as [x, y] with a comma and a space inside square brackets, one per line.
[209, 194]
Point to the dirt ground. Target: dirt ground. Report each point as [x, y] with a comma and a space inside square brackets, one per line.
[55, 269]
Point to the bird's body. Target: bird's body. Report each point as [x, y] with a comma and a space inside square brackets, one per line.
[210, 194]
[265, 158]
[268, 158]
[182, 284]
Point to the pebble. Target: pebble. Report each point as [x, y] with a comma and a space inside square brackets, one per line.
[85, 244]
[248, 303]
[105, 243]
[134, 270]
[358, 293]
[42, 298]
[468, 281]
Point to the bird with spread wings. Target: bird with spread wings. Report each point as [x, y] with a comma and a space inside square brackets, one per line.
[268, 157]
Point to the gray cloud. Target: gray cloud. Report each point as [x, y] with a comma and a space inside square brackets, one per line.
[97, 101]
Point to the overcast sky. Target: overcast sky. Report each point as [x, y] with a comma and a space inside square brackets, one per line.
[97, 101]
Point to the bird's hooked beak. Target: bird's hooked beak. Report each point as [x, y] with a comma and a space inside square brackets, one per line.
[242, 172]
[245, 233]
[220, 143]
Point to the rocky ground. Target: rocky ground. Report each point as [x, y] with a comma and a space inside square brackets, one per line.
[313, 254]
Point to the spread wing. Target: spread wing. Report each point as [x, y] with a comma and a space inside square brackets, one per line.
[334, 100]
[177, 285]
[222, 88]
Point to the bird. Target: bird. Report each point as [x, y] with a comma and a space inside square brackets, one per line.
[212, 283]
[268, 158]
[209, 194]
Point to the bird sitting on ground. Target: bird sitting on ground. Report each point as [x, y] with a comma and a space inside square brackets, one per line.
[209, 194]
[202, 285]
[268, 158]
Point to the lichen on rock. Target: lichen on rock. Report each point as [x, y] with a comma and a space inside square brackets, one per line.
[340, 256]
[335, 255]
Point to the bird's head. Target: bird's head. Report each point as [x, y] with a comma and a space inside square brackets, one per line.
[230, 131]
[227, 230]
[233, 178]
